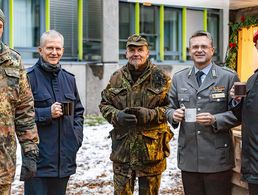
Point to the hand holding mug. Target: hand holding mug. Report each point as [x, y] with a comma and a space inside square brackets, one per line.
[238, 91]
[56, 110]
[179, 114]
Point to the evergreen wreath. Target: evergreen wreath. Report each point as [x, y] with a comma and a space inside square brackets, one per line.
[231, 56]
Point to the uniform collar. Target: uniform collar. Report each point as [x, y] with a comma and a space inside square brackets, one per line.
[204, 70]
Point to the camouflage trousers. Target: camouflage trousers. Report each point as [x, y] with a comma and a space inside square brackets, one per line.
[148, 185]
[5, 189]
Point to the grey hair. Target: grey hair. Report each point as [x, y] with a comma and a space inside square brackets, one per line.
[201, 33]
[51, 34]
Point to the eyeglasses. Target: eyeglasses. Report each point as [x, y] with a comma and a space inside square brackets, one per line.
[202, 47]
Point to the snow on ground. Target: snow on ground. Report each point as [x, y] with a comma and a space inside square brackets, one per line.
[94, 169]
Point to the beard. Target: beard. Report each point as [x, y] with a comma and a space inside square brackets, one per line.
[137, 64]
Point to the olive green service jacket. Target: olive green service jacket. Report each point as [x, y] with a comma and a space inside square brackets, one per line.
[204, 149]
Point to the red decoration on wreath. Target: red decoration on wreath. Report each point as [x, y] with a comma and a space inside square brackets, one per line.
[242, 18]
[232, 45]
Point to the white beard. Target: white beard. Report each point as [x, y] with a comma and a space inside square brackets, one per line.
[135, 64]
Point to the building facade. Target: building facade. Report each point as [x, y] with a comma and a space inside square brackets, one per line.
[96, 31]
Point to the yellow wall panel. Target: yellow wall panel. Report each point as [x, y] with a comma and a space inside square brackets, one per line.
[247, 57]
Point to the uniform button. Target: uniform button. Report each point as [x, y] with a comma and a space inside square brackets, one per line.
[218, 100]
[198, 132]
[226, 145]
[182, 99]
[198, 109]
[199, 98]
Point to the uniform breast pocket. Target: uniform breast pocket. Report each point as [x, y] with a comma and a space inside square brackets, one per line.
[154, 97]
[119, 97]
[184, 99]
[219, 101]
[70, 96]
[42, 100]
[218, 97]
[12, 87]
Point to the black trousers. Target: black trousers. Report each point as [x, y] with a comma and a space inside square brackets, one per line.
[45, 186]
[207, 183]
[253, 189]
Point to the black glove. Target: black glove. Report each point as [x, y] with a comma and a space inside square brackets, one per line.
[144, 115]
[126, 119]
[29, 165]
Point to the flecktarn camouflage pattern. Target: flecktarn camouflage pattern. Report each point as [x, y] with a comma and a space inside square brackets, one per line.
[145, 147]
[16, 113]
[138, 151]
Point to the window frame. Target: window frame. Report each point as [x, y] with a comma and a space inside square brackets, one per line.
[218, 51]
[34, 50]
[132, 28]
[178, 53]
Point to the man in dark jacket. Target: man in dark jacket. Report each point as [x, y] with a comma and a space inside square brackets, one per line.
[205, 149]
[247, 112]
[60, 134]
[134, 102]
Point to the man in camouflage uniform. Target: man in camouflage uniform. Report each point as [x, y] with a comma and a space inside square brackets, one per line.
[134, 102]
[16, 117]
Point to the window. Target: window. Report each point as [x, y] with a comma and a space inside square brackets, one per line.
[26, 27]
[194, 23]
[149, 27]
[126, 25]
[66, 23]
[92, 12]
[63, 18]
[172, 34]
[213, 28]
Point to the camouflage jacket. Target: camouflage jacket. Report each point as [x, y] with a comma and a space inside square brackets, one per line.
[145, 147]
[16, 113]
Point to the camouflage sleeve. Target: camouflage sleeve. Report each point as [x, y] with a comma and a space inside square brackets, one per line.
[108, 111]
[161, 110]
[25, 125]
[161, 114]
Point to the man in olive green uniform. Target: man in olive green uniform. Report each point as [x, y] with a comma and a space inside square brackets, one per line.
[16, 117]
[205, 149]
[134, 102]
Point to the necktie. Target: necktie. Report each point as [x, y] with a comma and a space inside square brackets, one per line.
[198, 77]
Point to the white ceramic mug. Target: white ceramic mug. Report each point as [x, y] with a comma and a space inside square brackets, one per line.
[190, 115]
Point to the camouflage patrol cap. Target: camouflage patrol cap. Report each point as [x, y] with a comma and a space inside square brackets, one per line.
[136, 40]
[2, 16]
